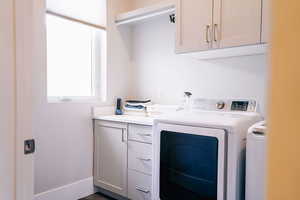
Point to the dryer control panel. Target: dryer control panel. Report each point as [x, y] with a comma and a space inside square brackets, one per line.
[246, 106]
[239, 105]
[243, 105]
[225, 105]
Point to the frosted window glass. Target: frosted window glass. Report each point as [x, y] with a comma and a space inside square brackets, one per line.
[69, 59]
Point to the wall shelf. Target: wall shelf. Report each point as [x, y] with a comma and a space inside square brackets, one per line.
[145, 13]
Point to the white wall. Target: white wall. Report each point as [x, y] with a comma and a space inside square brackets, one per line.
[164, 76]
[63, 131]
[7, 102]
[141, 3]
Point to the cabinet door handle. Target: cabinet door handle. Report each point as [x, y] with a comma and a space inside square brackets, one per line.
[142, 189]
[215, 32]
[207, 33]
[123, 135]
[144, 159]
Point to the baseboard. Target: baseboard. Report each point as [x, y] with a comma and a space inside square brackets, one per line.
[71, 191]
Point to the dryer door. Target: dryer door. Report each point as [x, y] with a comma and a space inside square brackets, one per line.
[191, 163]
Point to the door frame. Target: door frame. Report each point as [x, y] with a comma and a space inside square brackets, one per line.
[220, 134]
[24, 13]
[7, 101]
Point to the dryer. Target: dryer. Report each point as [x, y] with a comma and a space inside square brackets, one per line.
[200, 153]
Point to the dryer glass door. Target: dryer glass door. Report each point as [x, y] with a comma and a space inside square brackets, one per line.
[188, 166]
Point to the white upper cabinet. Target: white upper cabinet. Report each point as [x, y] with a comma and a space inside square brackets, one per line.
[194, 25]
[266, 21]
[213, 24]
[238, 22]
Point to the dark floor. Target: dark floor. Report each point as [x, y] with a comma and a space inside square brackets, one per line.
[97, 196]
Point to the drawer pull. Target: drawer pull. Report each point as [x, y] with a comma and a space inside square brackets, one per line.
[142, 189]
[145, 134]
[144, 159]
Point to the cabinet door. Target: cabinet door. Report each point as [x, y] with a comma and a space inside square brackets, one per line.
[110, 157]
[266, 21]
[194, 25]
[239, 22]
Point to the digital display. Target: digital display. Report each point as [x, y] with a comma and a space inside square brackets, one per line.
[239, 105]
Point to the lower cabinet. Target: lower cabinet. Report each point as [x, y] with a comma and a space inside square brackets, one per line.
[122, 163]
[110, 156]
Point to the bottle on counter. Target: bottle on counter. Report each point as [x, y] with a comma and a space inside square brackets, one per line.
[119, 107]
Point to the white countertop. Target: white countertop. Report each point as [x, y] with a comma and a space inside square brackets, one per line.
[143, 120]
[106, 113]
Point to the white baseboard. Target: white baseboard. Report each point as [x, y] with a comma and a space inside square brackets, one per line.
[71, 191]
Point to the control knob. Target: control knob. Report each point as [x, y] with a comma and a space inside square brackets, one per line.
[221, 105]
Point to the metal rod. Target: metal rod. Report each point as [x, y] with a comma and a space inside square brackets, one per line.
[75, 20]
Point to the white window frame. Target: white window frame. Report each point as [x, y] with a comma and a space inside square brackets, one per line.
[99, 69]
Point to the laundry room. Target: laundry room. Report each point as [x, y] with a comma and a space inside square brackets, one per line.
[148, 100]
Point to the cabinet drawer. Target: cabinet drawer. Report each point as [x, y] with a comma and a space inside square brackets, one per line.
[139, 186]
[140, 157]
[104, 123]
[140, 133]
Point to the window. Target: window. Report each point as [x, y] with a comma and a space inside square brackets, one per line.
[75, 60]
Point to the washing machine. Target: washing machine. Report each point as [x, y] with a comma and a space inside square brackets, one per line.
[256, 162]
[200, 153]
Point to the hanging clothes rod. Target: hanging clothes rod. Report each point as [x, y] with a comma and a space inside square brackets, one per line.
[75, 20]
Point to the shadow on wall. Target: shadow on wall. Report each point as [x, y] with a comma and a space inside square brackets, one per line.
[163, 76]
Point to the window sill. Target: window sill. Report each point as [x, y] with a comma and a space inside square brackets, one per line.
[83, 100]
